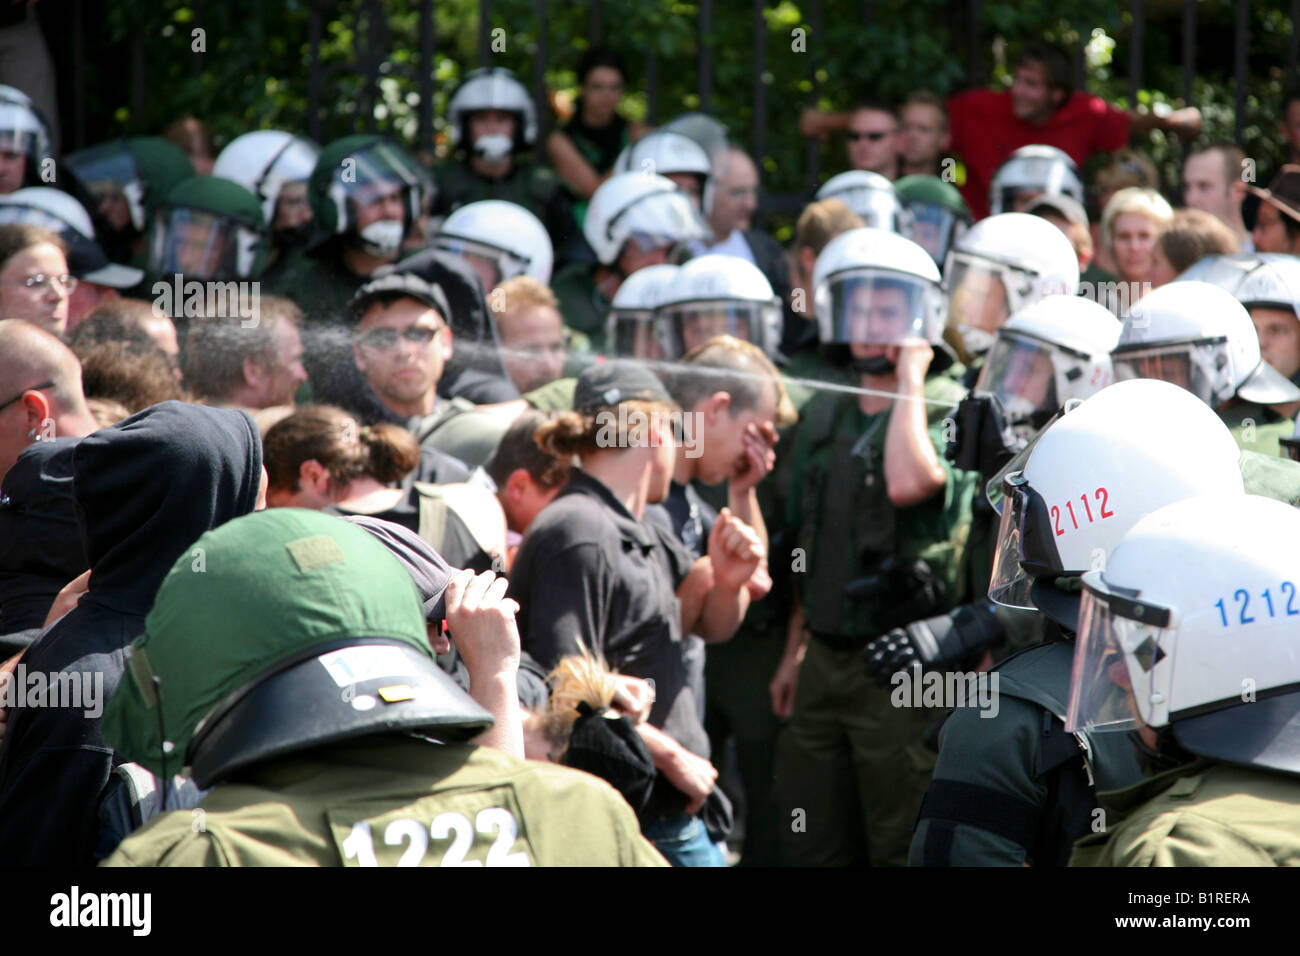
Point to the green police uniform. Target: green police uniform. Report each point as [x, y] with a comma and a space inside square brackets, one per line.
[303, 707]
[1011, 786]
[530, 185]
[320, 285]
[1256, 427]
[851, 767]
[583, 306]
[556, 396]
[1204, 813]
[399, 802]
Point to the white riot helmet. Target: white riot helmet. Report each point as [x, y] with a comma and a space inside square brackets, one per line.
[873, 287]
[265, 160]
[632, 329]
[48, 208]
[22, 130]
[1048, 353]
[1001, 265]
[873, 197]
[1072, 494]
[500, 240]
[1034, 171]
[670, 154]
[494, 88]
[1193, 623]
[716, 295]
[55, 210]
[1272, 284]
[646, 209]
[1201, 338]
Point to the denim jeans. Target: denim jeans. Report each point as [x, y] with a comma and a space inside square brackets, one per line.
[684, 841]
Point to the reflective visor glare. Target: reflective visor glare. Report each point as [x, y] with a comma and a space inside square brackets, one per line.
[195, 244]
[696, 325]
[977, 296]
[635, 336]
[1009, 584]
[878, 309]
[485, 261]
[1183, 365]
[1101, 686]
[1022, 374]
[931, 228]
[104, 173]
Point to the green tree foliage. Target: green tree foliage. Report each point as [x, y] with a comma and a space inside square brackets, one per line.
[254, 71]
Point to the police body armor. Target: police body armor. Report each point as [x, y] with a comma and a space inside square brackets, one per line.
[1069, 765]
[852, 555]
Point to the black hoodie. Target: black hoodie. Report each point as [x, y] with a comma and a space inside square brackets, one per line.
[145, 490]
[40, 549]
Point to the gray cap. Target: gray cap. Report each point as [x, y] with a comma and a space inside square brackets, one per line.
[606, 384]
[1066, 207]
[399, 283]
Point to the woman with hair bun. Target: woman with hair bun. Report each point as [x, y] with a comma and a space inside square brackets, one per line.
[321, 457]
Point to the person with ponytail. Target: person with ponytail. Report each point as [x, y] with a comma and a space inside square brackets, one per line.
[321, 457]
[589, 572]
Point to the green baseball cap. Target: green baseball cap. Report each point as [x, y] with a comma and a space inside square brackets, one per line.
[277, 632]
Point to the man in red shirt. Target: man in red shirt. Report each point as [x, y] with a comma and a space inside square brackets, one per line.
[987, 126]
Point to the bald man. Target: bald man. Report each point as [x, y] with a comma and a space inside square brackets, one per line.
[735, 201]
[42, 397]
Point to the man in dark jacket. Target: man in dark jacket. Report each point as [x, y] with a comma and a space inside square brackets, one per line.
[40, 550]
[145, 490]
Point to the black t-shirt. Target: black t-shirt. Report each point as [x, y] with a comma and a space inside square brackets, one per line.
[687, 519]
[687, 515]
[588, 570]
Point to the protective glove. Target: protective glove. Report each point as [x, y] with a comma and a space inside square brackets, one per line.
[936, 643]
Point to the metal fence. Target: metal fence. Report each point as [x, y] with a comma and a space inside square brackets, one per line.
[374, 43]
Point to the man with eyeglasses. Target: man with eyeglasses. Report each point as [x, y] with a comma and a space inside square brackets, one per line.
[40, 391]
[401, 346]
[34, 280]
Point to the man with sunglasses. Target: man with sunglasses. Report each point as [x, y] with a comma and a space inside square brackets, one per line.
[873, 139]
[401, 346]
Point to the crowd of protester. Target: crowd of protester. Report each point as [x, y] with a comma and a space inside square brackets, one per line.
[547, 463]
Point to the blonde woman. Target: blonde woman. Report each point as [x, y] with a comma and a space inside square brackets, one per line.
[1131, 224]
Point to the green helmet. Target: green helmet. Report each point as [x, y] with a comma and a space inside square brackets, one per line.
[127, 178]
[208, 229]
[941, 215]
[321, 638]
[354, 171]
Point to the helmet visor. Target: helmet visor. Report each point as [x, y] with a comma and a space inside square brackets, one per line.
[870, 307]
[978, 303]
[1026, 546]
[1115, 684]
[878, 208]
[1021, 372]
[1009, 584]
[694, 324]
[934, 228]
[193, 243]
[493, 265]
[1204, 367]
[375, 173]
[634, 334]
